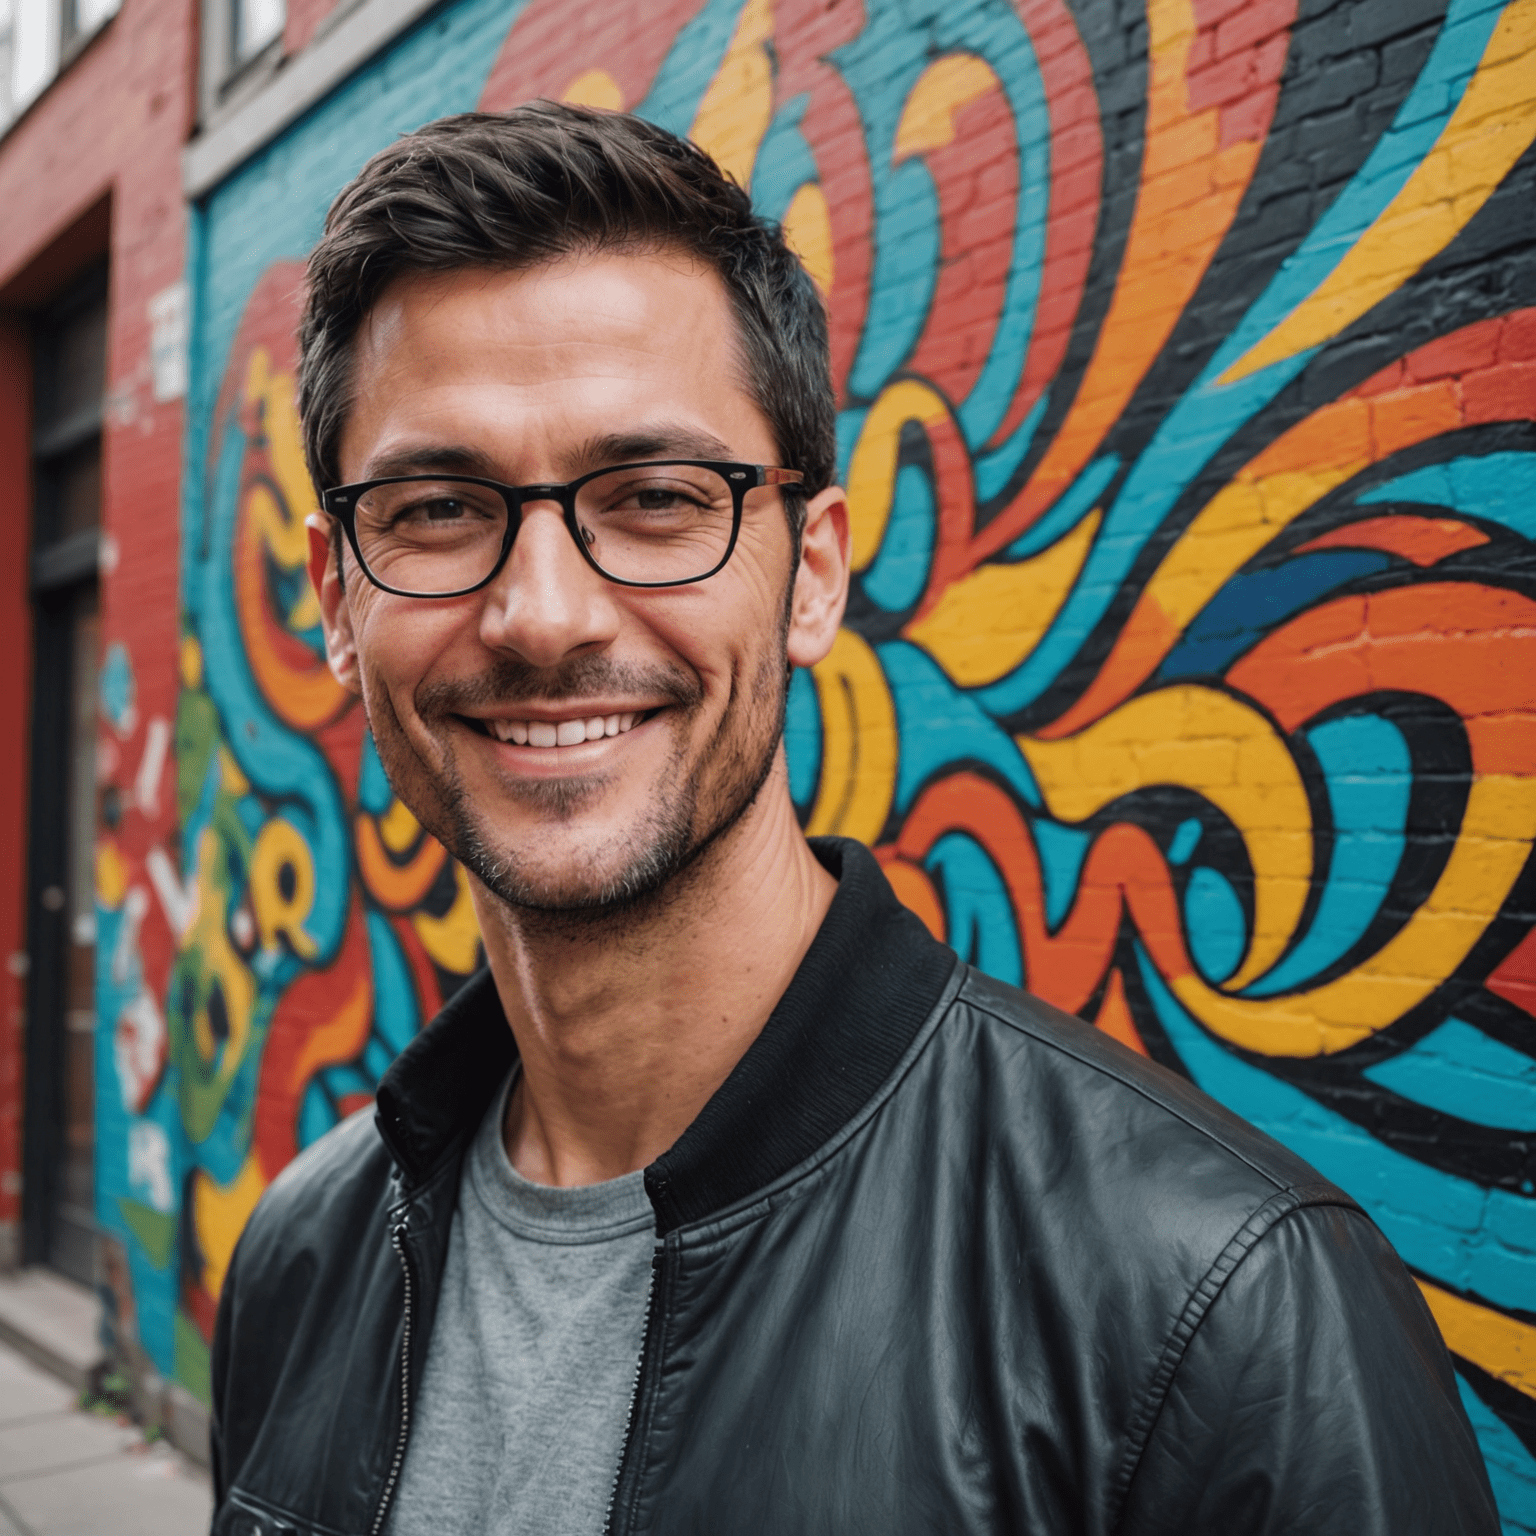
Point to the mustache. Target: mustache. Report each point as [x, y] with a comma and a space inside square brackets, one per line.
[509, 681]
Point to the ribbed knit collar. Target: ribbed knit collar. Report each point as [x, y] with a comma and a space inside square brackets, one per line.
[870, 978]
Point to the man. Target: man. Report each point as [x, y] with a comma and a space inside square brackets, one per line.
[728, 1200]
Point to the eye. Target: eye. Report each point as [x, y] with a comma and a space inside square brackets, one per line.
[437, 510]
[670, 502]
[653, 496]
[441, 509]
[662, 498]
[670, 498]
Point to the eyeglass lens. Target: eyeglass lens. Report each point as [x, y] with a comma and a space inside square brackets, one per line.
[645, 524]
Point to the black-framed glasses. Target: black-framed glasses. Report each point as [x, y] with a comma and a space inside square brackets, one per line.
[661, 523]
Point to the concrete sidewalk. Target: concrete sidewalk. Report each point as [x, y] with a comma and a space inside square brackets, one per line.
[66, 1472]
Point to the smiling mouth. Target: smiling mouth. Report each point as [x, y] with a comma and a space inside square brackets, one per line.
[571, 732]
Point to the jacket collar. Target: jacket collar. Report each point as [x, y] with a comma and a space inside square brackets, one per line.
[438, 1088]
[871, 977]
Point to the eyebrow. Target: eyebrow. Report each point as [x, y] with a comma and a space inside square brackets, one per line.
[430, 459]
[661, 441]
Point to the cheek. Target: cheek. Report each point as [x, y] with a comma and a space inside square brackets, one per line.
[761, 581]
[400, 643]
[759, 630]
[721, 628]
[751, 592]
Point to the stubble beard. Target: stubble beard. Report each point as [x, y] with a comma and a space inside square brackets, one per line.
[624, 882]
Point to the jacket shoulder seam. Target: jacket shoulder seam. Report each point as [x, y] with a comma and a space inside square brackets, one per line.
[1287, 1198]
[1280, 1205]
[1209, 1132]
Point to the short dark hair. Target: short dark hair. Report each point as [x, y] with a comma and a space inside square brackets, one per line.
[515, 189]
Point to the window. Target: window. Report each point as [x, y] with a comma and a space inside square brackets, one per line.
[39, 37]
[242, 44]
[256, 23]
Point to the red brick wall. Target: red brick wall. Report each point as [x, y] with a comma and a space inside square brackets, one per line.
[107, 134]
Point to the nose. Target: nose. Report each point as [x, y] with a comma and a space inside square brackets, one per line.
[547, 603]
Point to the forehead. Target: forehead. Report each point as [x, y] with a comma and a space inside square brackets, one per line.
[524, 365]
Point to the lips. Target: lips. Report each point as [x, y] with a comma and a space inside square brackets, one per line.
[570, 732]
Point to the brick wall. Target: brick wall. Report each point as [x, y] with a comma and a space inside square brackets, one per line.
[93, 169]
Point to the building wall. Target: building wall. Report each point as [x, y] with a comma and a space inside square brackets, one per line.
[1186, 356]
[92, 170]
[15, 412]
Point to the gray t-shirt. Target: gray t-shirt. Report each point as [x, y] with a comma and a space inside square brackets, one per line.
[519, 1423]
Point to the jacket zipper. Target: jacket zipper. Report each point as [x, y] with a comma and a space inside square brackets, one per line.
[634, 1398]
[397, 1242]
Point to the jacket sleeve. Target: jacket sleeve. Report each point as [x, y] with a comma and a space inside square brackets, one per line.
[1316, 1396]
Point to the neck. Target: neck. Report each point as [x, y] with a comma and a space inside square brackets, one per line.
[625, 1036]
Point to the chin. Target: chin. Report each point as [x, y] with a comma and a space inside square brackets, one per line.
[559, 871]
[561, 801]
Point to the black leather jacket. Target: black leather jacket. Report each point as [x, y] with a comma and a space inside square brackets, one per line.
[935, 1258]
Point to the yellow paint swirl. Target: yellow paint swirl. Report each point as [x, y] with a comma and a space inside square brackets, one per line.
[858, 759]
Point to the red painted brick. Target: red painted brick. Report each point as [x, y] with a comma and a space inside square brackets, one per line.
[1220, 82]
[1211, 13]
[1079, 145]
[1517, 338]
[1514, 979]
[1474, 347]
[1247, 121]
[1506, 393]
[1269, 59]
[1253, 24]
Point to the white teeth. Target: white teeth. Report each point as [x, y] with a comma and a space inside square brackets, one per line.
[562, 733]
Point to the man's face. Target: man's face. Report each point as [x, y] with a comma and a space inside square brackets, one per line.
[536, 377]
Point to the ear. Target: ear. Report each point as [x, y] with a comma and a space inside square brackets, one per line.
[326, 550]
[821, 582]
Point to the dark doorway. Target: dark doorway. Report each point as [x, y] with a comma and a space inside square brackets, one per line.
[69, 370]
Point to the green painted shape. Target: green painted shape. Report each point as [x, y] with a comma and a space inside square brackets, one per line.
[197, 736]
[192, 1360]
[155, 1230]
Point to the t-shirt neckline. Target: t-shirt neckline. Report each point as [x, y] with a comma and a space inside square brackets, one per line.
[549, 1213]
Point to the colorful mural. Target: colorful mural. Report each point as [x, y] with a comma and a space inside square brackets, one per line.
[1187, 354]
[317, 926]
